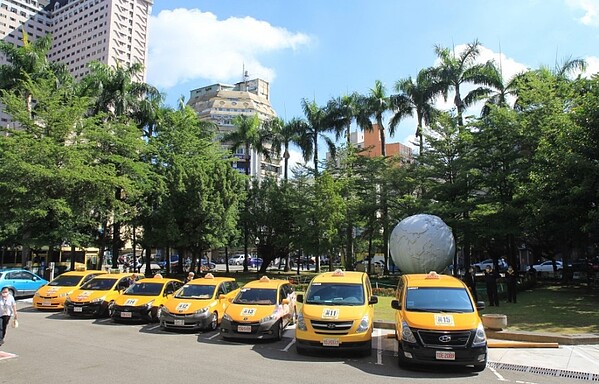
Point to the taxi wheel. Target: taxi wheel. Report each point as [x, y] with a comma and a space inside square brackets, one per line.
[213, 322]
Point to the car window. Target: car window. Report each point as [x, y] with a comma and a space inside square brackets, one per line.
[438, 299]
[98, 285]
[260, 296]
[65, 281]
[144, 289]
[335, 294]
[194, 291]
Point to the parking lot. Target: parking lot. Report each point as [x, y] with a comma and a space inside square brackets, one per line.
[49, 347]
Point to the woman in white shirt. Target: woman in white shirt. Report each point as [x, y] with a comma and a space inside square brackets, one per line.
[8, 308]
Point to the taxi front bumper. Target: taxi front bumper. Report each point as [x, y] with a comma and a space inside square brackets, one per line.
[254, 330]
[187, 321]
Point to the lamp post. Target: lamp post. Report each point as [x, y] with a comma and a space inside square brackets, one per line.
[257, 242]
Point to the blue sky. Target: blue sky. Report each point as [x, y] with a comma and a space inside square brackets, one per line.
[320, 49]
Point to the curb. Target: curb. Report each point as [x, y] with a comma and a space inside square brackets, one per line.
[524, 339]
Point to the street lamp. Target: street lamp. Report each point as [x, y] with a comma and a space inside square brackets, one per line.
[257, 242]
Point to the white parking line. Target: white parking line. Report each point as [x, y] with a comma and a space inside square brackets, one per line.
[499, 377]
[288, 345]
[379, 347]
[154, 327]
[214, 336]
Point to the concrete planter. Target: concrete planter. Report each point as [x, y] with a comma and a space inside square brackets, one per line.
[495, 322]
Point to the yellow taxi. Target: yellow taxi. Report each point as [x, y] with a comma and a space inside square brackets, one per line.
[93, 298]
[261, 310]
[199, 304]
[144, 299]
[437, 322]
[54, 294]
[337, 313]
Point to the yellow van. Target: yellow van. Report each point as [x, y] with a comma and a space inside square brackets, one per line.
[437, 322]
[261, 310]
[337, 313]
[54, 294]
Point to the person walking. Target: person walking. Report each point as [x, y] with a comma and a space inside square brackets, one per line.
[8, 308]
[470, 281]
[511, 279]
[491, 282]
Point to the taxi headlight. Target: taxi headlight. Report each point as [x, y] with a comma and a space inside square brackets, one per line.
[406, 333]
[202, 311]
[272, 317]
[165, 311]
[480, 338]
[68, 300]
[364, 324]
[227, 317]
[148, 306]
[37, 294]
[301, 324]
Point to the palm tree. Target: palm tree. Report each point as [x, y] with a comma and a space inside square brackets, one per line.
[416, 97]
[342, 111]
[312, 128]
[454, 71]
[250, 135]
[281, 134]
[375, 105]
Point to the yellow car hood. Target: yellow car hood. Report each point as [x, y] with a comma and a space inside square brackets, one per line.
[186, 306]
[134, 300]
[334, 312]
[83, 296]
[249, 313]
[54, 291]
[442, 321]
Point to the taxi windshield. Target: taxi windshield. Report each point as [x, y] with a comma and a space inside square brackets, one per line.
[144, 289]
[438, 299]
[65, 281]
[260, 296]
[192, 291]
[98, 284]
[335, 294]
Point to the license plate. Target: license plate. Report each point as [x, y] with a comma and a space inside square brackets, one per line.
[443, 355]
[46, 304]
[330, 342]
[125, 314]
[244, 328]
[179, 322]
[77, 309]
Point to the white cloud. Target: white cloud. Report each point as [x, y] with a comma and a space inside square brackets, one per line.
[592, 66]
[187, 43]
[590, 9]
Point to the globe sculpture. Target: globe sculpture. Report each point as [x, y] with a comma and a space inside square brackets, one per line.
[421, 244]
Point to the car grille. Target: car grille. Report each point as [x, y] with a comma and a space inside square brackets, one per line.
[444, 339]
[48, 297]
[331, 327]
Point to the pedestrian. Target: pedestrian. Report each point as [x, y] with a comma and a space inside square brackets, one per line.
[491, 282]
[190, 276]
[8, 308]
[470, 281]
[511, 279]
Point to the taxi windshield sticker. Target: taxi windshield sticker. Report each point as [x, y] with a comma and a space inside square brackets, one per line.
[248, 311]
[330, 313]
[444, 320]
[183, 306]
[130, 301]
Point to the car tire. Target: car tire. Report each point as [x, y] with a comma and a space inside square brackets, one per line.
[213, 322]
[280, 329]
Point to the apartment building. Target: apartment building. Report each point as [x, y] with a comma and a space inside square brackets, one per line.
[221, 103]
[113, 32]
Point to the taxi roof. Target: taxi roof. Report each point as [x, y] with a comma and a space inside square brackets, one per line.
[209, 281]
[432, 280]
[163, 280]
[266, 283]
[340, 277]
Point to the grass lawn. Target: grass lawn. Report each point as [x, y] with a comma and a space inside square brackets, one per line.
[564, 309]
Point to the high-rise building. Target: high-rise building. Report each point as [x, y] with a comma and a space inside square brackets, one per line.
[113, 32]
[221, 103]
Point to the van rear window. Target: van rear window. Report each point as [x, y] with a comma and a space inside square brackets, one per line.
[438, 299]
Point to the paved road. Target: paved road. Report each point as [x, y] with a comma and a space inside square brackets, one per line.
[52, 348]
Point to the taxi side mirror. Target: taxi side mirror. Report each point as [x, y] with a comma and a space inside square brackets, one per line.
[395, 304]
[480, 305]
[373, 300]
[299, 298]
[285, 301]
[222, 297]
